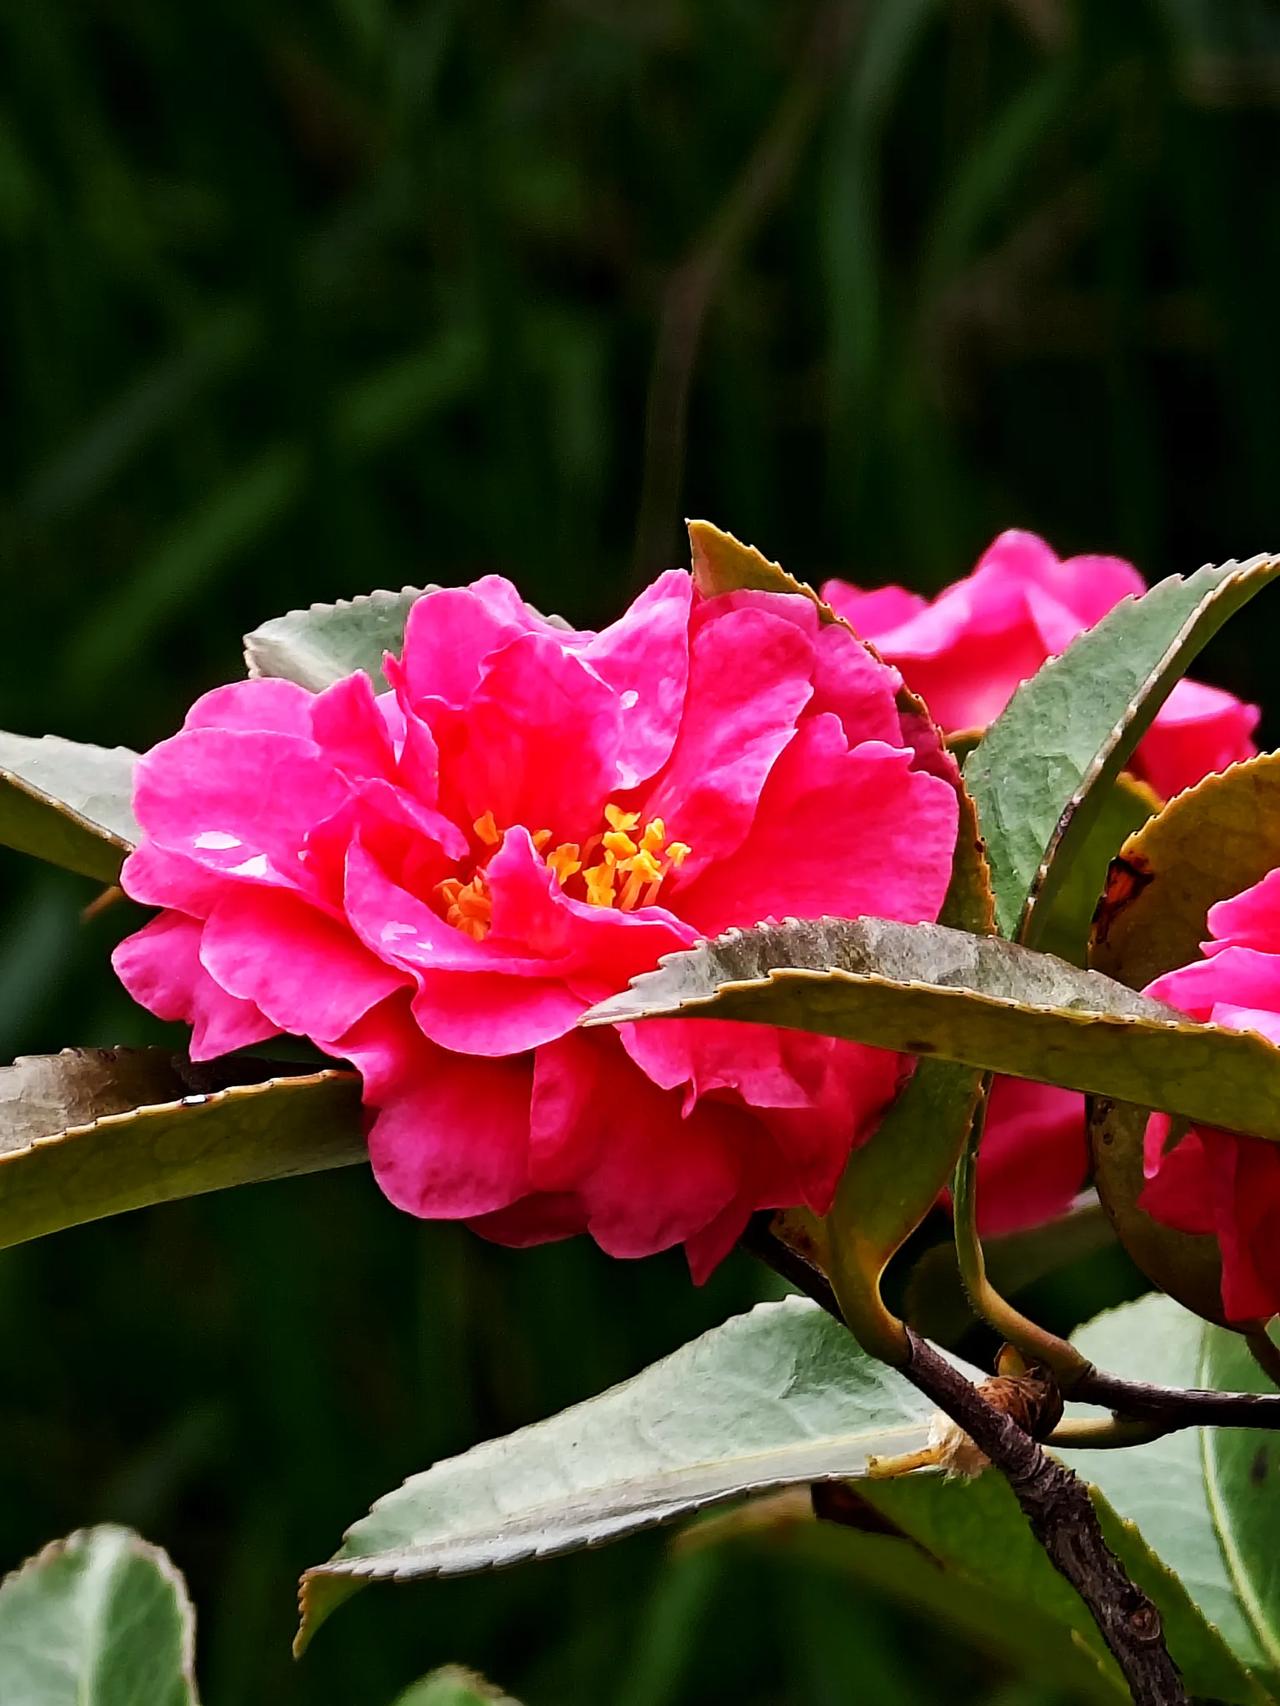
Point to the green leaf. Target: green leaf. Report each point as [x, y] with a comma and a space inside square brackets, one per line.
[891, 1182]
[321, 645]
[976, 1529]
[95, 1132]
[1126, 806]
[67, 803]
[454, 1686]
[1206, 1499]
[927, 989]
[936, 1305]
[98, 1619]
[1039, 774]
[1218, 838]
[1004, 1625]
[778, 1397]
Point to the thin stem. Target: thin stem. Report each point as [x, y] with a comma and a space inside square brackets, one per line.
[1062, 1518]
[1170, 1407]
[1036, 1343]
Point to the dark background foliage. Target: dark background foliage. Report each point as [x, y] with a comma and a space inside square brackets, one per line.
[301, 299]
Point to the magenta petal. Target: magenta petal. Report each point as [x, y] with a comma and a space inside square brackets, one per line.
[348, 723]
[302, 968]
[840, 831]
[1034, 1156]
[455, 1143]
[154, 877]
[452, 630]
[269, 706]
[493, 1013]
[1199, 730]
[160, 967]
[644, 657]
[750, 676]
[543, 740]
[237, 801]
[1250, 919]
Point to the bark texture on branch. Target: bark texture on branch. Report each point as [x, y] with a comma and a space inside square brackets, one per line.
[1057, 1506]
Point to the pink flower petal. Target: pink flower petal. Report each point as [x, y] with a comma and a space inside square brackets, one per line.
[541, 741]
[269, 706]
[160, 967]
[451, 631]
[236, 801]
[750, 675]
[348, 723]
[644, 658]
[300, 967]
[840, 831]
[1199, 730]
[455, 1143]
[1250, 919]
[1034, 1156]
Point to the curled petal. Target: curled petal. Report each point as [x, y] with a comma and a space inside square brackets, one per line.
[160, 967]
[297, 965]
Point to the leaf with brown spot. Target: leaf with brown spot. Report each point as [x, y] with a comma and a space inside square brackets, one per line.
[1216, 839]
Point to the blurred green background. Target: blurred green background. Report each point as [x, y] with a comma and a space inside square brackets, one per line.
[305, 298]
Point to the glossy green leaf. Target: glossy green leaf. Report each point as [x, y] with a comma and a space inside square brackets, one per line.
[778, 1397]
[67, 803]
[1212, 841]
[976, 1529]
[1206, 1499]
[321, 645]
[95, 1132]
[1039, 774]
[927, 989]
[98, 1619]
[454, 1686]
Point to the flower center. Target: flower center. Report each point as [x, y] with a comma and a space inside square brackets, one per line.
[630, 861]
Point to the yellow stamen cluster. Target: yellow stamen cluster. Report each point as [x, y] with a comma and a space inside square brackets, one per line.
[467, 905]
[628, 872]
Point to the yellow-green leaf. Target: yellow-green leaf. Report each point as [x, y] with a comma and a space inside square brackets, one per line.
[1218, 838]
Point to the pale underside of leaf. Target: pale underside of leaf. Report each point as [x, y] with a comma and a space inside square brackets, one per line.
[1036, 774]
[67, 803]
[133, 1156]
[322, 644]
[926, 989]
[453, 1685]
[98, 1619]
[1195, 1493]
[779, 1397]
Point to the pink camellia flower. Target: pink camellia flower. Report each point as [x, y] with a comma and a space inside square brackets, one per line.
[435, 883]
[1214, 1181]
[964, 653]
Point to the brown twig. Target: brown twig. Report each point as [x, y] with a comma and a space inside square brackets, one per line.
[1169, 1408]
[1054, 1500]
[1057, 1506]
